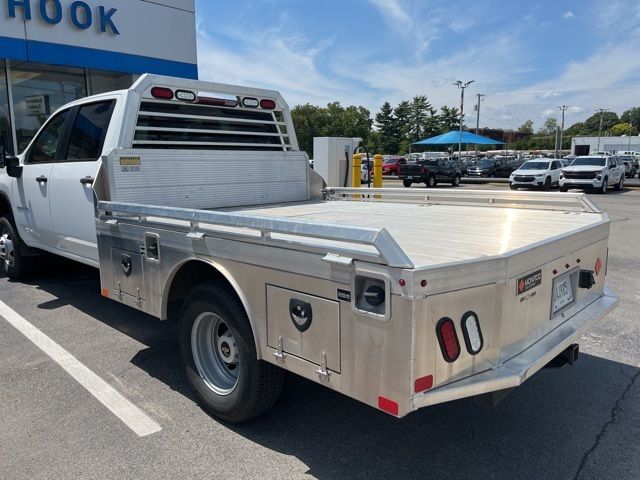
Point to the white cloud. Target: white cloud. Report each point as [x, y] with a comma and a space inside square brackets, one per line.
[567, 14]
[393, 12]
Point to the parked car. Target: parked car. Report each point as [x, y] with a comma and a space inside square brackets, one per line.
[430, 172]
[630, 165]
[391, 165]
[493, 167]
[366, 171]
[593, 173]
[539, 173]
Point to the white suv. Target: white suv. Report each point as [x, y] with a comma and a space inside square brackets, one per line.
[536, 173]
[593, 173]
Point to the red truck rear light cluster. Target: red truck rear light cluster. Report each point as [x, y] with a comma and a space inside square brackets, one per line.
[164, 93]
[448, 339]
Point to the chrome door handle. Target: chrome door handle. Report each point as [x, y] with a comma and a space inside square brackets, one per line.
[42, 179]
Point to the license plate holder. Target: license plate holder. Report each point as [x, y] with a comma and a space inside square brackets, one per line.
[563, 293]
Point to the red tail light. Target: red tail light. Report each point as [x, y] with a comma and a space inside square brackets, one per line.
[448, 339]
[388, 405]
[267, 104]
[422, 170]
[162, 93]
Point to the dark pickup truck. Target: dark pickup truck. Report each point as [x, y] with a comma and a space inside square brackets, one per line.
[430, 172]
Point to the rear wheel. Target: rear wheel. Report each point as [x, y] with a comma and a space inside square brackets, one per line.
[407, 183]
[431, 181]
[456, 181]
[219, 356]
[13, 263]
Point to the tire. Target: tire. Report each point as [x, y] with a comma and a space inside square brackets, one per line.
[456, 181]
[407, 183]
[564, 189]
[603, 189]
[620, 183]
[242, 387]
[431, 181]
[547, 184]
[12, 262]
[513, 187]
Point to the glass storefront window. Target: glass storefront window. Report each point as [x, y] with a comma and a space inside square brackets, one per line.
[38, 92]
[5, 123]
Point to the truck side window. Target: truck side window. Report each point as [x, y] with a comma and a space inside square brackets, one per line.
[46, 143]
[89, 130]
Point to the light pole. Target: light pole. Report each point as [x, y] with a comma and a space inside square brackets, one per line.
[461, 85]
[602, 112]
[564, 109]
[480, 97]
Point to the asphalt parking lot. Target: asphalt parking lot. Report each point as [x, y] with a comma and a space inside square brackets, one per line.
[580, 422]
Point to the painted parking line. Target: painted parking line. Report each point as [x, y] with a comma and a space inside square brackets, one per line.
[132, 416]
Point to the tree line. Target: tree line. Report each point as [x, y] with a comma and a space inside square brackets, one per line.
[394, 129]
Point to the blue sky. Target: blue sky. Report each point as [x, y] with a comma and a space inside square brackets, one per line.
[528, 57]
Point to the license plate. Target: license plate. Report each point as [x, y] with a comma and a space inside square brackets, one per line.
[562, 293]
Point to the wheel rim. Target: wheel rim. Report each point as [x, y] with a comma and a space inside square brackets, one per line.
[431, 181]
[7, 253]
[215, 353]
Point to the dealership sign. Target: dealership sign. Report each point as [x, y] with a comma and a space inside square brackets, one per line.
[79, 13]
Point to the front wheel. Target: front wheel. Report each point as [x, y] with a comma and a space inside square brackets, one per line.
[513, 187]
[547, 184]
[620, 184]
[14, 264]
[564, 189]
[603, 188]
[219, 356]
[407, 183]
[456, 181]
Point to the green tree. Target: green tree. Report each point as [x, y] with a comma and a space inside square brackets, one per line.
[631, 116]
[420, 113]
[609, 119]
[388, 141]
[402, 112]
[577, 130]
[549, 127]
[620, 129]
[309, 121]
[448, 119]
[526, 128]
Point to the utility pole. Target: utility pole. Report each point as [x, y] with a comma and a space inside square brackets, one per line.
[480, 97]
[461, 85]
[602, 112]
[564, 109]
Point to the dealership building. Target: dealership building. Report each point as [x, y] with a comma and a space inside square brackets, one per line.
[588, 145]
[55, 51]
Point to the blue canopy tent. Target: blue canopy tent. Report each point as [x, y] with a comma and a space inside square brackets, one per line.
[454, 137]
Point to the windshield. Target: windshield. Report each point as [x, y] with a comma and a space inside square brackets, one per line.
[535, 166]
[389, 161]
[593, 161]
[485, 163]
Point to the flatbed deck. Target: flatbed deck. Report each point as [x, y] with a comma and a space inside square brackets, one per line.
[432, 235]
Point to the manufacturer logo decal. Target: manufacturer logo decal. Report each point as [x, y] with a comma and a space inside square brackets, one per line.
[526, 283]
[344, 295]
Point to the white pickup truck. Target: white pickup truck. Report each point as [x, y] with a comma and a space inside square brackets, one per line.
[195, 203]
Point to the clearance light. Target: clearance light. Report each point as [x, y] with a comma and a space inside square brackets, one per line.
[250, 102]
[267, 104]
[217, 99]
[185, 96]
[423, 383]
[598, 266]
[471, 332]
[448, 339]
[162, 93]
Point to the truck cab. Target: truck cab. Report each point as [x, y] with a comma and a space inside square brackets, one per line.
[49, 191]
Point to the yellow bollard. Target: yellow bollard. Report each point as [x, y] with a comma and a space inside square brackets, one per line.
[377, 172]
[355, 171]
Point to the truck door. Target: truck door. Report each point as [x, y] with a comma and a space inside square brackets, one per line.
[31, 197]
[72, 205]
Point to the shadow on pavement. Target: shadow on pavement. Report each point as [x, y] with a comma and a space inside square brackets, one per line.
[546, 429]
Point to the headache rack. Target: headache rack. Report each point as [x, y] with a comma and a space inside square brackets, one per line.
[218, 118]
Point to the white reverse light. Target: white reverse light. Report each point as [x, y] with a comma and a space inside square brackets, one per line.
[471, 332]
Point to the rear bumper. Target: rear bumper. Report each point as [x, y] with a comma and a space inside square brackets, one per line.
[519, 368]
